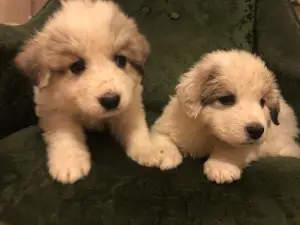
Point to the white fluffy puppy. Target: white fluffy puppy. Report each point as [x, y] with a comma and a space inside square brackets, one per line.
[227, 106]
[87, 65]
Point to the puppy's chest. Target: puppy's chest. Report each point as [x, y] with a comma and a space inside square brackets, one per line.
[95, 124]
[194, 143]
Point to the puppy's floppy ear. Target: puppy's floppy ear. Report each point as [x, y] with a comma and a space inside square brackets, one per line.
[191, 85]
[144, 48]
[138, 43]
[29, 60]
[138, 49]
[273, 103]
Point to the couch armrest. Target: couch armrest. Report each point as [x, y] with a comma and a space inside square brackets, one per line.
[278, 43]
[15, 90]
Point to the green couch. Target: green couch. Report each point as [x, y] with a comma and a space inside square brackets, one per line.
[120, 192]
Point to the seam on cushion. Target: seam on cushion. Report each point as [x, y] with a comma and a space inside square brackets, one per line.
[292, 11]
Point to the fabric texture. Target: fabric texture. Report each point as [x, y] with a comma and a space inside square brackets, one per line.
[118, 191]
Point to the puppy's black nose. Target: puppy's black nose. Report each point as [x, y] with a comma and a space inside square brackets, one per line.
[110, 101]
[255, 130]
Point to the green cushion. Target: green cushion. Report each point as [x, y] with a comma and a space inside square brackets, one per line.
[278, 43]
[15, 90]
[119, 192]
[177, 43]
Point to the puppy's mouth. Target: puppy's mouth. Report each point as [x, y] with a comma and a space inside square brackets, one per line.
[250, 142]
[243, 144]
[111, 113]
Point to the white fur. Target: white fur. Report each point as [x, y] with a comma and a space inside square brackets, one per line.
[191, 127]
[66, 103]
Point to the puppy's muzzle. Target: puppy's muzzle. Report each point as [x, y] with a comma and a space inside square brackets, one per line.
[254, 131]
[110, 101]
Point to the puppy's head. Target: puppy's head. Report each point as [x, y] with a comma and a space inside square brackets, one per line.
[233, 93]
[88, 57]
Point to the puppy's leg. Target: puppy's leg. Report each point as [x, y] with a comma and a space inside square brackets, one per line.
[226, 165]
[68, 156]
[292, 149]
[280, 145]
[170, 156]
[283, 148]
[131, 129]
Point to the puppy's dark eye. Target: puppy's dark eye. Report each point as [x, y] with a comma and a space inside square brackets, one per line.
[78, 67]
[120, 61]
[227, 100]
[262, 102]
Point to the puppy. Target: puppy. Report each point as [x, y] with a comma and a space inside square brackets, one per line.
[228, 107]
[87, 65]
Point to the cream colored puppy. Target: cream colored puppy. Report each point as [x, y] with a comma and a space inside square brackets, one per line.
[87, 65]
[228, 106]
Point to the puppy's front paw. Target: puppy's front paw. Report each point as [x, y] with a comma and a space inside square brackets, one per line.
[68, 166]
[170, 156]
[144, 154]
[221, 172]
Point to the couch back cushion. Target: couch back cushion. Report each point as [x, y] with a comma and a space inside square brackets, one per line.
[181, 31]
